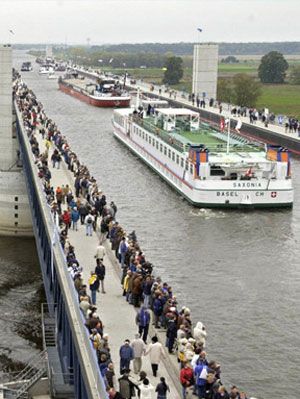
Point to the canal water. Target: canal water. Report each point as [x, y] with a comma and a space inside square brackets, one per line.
[238, 272]
[20, 296]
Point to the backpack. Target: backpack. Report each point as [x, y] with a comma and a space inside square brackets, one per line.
[89, 220]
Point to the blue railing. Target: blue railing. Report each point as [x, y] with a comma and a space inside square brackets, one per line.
[75, 348]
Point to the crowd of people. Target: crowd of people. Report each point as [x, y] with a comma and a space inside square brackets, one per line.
[84, 204]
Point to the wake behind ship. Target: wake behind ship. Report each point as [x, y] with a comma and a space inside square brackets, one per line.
[207, 166]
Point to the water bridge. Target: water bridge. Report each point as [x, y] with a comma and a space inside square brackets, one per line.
[68, 357]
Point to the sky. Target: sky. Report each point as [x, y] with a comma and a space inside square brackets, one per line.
[140, 21]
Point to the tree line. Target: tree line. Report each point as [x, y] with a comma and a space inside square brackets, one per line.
[181, 49]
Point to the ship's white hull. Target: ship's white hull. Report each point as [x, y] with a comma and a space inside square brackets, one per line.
[211, 193]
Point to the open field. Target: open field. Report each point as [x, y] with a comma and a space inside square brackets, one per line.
[281, 99]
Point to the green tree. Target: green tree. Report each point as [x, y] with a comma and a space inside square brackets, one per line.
[174, 71]
[295, 75]
[246, 90]
[272, 68]
[224, 90]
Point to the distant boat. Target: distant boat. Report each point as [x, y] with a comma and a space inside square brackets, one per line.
[26, 67]
[45, 70]
[105, 93]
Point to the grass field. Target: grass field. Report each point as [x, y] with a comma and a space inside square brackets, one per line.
[281, 99]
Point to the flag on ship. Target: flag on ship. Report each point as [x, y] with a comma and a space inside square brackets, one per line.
[199, 29]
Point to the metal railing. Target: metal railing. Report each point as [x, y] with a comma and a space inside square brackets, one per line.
[45, 220]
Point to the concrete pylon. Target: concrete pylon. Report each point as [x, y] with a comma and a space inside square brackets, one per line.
[15, 217]
[205, 70]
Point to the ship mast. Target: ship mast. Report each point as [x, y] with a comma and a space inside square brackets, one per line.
[228, 136]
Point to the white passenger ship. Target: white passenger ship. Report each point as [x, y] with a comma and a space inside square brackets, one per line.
[208, 167]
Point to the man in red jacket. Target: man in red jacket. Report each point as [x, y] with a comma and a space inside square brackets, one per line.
[186, 377]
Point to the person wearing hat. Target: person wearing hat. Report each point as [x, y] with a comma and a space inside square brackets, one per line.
[139, 347]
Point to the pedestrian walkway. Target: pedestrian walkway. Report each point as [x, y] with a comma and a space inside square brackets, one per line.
[226, 112]
[117, 315]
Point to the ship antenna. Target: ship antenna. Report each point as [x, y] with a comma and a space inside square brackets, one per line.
[137, 104]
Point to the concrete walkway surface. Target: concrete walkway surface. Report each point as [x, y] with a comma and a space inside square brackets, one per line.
[117, 316]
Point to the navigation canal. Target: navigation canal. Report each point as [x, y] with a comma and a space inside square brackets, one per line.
[238, 272]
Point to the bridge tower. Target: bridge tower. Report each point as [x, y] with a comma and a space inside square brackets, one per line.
[205, 70]
[15, 217]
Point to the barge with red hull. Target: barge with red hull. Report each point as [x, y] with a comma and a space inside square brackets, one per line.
[102, 94]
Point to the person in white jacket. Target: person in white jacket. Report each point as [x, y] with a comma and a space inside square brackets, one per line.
[200, 334]
[146, 390]
[156, 353]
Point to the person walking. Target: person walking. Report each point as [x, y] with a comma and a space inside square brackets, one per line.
[100, 272]
[146, 390]
[100, 252]
[94, 286]
[162, 388]
[88, 221]
[139, 347]
[156, 353]
[143, 322]
[126, 355]
[127, 387]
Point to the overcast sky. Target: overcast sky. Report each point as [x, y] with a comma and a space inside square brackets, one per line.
[133, 21]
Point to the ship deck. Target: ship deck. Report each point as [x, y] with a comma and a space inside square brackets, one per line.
[82, 84]
[206, 135]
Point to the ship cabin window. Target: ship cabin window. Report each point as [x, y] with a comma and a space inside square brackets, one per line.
[157, 144]
[186, 165]
[191, 168]
[169, 153]
[173, 156]
[146, 137]
[177, 159]
[215, 170]
[161, 148]
[143, 135]
[165, 150]
[149, 139]
[154, 143]
[181, 162]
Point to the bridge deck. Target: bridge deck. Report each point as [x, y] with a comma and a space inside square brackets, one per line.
[116, 314]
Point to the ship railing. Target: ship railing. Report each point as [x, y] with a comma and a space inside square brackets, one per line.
[183, 147]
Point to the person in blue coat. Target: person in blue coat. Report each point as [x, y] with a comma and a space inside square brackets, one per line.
[126, 355]
[74, 218]
[200, 379]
